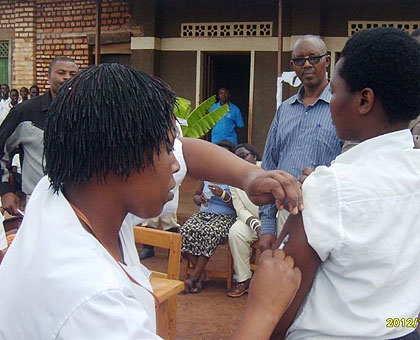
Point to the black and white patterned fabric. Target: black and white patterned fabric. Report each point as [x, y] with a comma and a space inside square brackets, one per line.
[203, 232]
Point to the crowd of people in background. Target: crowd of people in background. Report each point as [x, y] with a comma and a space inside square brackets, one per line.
[12, 97]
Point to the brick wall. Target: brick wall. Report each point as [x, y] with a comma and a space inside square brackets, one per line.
[61, 30]
[44, 29]
[23, 59]
[20, 17]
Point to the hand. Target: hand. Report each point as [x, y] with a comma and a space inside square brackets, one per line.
[216, 190]
[200, 199]
[305, 173]
[267, 241]
[10, 202]
[273, 285]
[264, 187]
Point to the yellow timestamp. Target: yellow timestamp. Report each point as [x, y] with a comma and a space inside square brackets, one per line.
[402, 322]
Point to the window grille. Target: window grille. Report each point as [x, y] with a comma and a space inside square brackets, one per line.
[407, 26]
[227, 29]
[4, 49]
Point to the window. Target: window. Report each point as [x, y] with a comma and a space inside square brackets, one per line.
[4, 62]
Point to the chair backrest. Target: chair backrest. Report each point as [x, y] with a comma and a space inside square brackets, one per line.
[166, 240]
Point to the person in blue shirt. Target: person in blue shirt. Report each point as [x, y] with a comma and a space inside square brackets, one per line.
[225, 128]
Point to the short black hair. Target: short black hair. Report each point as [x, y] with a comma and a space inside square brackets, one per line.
[108, 118]
[387, 60]
[60, 58]
[227, 144]
[250, 148]
[14, 90]
[5, 85]
[34, 87]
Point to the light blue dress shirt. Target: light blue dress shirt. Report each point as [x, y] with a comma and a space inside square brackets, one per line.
[299, 137]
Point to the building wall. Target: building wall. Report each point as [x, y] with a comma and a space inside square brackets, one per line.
[335, 14]
[170, 14]
[264, 106]
[44, 29]
[178, 69]
[20, 17]
[62, 26]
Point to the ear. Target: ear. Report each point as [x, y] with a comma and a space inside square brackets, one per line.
[327, 60]
[292, 66]
[366, 100]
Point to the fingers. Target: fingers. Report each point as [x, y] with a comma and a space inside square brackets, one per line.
[266, 254]
[289, 189]
[307, 171]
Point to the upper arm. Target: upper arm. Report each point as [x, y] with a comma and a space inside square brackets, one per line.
[314, 234]
[305, 258]
[239, 121]
[110, 315]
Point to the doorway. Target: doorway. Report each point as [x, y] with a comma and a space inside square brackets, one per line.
[231, 71]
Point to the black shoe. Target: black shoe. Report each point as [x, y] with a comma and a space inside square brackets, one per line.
[148, 251]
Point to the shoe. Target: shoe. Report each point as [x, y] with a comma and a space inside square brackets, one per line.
[189, 284]
[240, 289]
[148, 251]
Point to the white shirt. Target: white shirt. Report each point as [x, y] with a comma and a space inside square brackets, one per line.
[16, 163]
[58, 282]
[4, 108]
[362, 217]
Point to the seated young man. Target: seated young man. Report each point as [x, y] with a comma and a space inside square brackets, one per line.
[73, 271]
[358, 240]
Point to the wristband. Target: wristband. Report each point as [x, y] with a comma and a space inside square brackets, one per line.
[254, 224]
[223, 195]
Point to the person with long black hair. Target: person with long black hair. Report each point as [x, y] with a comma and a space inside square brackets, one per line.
[73, 270]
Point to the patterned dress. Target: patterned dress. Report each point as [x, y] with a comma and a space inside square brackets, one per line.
[206, 229]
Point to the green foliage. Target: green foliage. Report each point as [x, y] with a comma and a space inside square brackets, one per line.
[197, 123]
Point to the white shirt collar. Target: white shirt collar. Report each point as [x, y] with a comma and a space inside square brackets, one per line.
[401, 139]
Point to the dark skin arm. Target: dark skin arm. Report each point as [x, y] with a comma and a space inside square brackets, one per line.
[308, 262]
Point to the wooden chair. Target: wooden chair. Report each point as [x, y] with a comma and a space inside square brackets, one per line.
[227, 274]
[166, 286]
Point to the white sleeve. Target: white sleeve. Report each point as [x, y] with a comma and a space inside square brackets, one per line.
[109, 315]
[321, 218]
[241, 211]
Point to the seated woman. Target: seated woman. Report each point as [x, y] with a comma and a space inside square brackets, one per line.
[246, 228]
[207, 228]
[72, 271]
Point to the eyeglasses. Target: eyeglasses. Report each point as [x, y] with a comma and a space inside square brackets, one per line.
[313, 59]
[245, 155]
